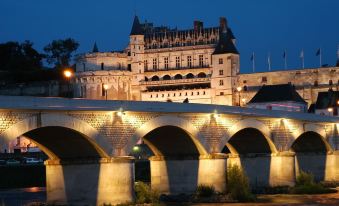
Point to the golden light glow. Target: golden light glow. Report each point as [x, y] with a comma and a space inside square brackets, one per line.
[68, 73]
[243, 100]
[121, 112]
[239, 89]
[105, 86]
[215, 114]
[330, 109]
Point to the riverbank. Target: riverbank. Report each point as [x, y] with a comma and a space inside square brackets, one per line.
[34, 195]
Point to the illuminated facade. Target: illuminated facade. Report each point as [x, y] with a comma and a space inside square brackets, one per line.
[163, 64]
[200, 65]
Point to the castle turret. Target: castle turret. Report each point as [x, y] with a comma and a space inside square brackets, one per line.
[137, 47]
[225, 66]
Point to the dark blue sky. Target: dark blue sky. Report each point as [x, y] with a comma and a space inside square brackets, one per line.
[261, 26]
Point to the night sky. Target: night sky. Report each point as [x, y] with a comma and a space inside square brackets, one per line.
[260, 26]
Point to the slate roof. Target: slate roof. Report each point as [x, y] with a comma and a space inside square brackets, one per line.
[277, 93]
[225, 44]
[327, 99]
[136, 28]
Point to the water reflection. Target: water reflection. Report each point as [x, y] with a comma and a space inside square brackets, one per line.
[23, 196]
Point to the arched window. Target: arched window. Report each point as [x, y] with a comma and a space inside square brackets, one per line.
[178, 76]
[202, 75]
[155, 78]
[189, 76]
[166, 77]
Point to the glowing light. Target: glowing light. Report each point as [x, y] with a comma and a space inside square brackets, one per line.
[330, 109]
[243, 100]
[136, 148]
[105, 86]
[68, 73]
[215, 114]
[121, 112]
[239, 89]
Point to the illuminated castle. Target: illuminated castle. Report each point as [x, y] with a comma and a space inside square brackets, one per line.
[200, 65]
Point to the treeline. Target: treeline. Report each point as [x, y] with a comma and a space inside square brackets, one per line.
[21, 62]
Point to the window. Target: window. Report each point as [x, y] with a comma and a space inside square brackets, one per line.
[189, 76]
[315, 83]
[204, 93]
[145, 65]
[166, 62]
[197, 93]
[189, 61]
[155, 63]
[151, 96]
[221, 82]
[263, 79]
[221, 93]
[330, 82]
[102, 66]
[221, 61]
[221, 72]
[103, 91]
[163, 95]
[201, 60]
[177, 62]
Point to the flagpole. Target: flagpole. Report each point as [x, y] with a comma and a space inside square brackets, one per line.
[269, 61]
[253, 62]
[320, 57]
[285, 57]
[302, 59]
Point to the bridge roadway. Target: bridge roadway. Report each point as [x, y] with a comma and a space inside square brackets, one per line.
[88, 143]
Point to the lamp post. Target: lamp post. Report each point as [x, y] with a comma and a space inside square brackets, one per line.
[239, 90]
[68, 74]
[105, 88]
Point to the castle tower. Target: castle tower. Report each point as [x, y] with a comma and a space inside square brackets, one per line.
[136, 66]
[225, 66]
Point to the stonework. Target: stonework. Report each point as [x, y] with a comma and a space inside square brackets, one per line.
[164, 64]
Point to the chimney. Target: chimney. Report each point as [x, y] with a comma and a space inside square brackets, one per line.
[223, 23]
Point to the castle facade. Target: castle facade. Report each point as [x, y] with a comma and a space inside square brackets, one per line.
[199, 65]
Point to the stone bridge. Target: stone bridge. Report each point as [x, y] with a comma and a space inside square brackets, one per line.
[88, 143]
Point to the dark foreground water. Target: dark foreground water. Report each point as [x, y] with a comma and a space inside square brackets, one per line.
[23, 196]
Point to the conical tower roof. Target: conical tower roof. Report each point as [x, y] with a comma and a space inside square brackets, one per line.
[136, 27]
[95, 48]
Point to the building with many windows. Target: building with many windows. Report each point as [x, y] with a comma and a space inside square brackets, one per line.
[200, 65]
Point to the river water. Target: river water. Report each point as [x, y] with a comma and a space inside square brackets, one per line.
[23, 196]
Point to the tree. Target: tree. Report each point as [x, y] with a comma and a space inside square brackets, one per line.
[19, 57]
[59, 52]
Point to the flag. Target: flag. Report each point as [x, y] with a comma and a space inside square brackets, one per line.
[252, 56]
[302, 54]
[269, 61]
[318, 52]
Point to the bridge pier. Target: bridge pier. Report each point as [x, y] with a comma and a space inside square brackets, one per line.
[90, 182]
[266, 170]
[173, 175]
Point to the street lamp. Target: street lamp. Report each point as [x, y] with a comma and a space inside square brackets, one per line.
[68, 74]
[105, 88]
[239, 90]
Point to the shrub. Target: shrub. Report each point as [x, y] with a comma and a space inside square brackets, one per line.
[305, 185]
[205, 191]
[144, 193]
[304, 178]
[237, 184]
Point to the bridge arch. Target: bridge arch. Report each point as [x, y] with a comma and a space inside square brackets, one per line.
[311, 150]
[37, 127]
[318, 129]
[247, 124]
[164, 122]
